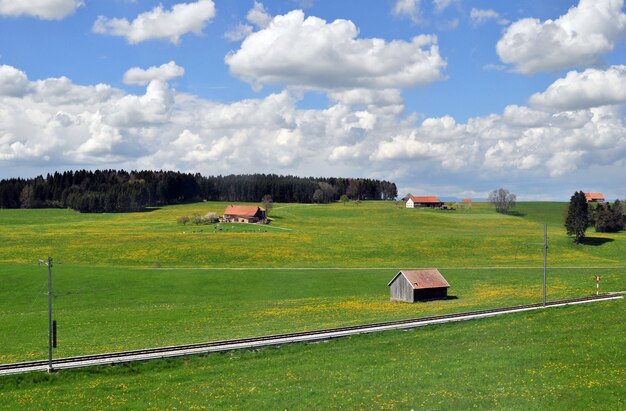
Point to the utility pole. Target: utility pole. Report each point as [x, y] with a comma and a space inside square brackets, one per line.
[50, 332]
[545, 260]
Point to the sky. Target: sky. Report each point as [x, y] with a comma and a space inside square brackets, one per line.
[453, 98]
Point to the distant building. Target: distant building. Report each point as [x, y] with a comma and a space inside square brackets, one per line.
[418, 285]
[244, 214]
[467, 200]
[406, 197]
[594, 197]
[423, 201]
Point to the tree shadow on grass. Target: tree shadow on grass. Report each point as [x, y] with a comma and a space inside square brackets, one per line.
[595, 241]
[517, 213]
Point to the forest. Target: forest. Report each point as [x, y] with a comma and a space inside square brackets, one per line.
[121, 191]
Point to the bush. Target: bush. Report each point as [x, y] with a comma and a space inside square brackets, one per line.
[182, 220]
[211, 217]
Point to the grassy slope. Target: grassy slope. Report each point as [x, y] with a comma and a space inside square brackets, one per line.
[564, 358]
[374, 234]
[103, 306]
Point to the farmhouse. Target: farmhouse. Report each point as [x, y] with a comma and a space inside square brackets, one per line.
[244, 214]
[423, 201]
[594, 197]
[416, 285]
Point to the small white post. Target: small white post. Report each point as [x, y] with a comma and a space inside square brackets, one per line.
[598, 278]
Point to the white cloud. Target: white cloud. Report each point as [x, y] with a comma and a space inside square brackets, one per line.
[13, 82]
[480, 16]
[258, 16]
[61, 124]
[315, 55]
[409, 8]
[239, 32]
[160, 24]
[578, 38]
[152, 108]
[591, 88]
[43, 9]
[164, 72]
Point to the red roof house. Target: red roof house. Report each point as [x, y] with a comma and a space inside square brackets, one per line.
[244, 214]
[594, 197]
[423, 201]
[416, 285]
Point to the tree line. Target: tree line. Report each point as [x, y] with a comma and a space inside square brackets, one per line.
[122, 191]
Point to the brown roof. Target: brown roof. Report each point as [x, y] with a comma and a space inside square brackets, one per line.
[424, 278]
[244, 211]
[425, 199]
[594, 196]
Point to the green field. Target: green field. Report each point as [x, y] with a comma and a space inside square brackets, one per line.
[569, 358]
[124, 281]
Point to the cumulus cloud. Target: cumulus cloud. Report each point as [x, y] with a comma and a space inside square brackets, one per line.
[160, 24]
[61, 124]
[480, 16]
[43, 9]
[312, 54]
[13, 82]
[578, 38]
[591, 88]
[164, 72]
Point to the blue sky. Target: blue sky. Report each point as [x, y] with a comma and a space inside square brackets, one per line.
[443, 97]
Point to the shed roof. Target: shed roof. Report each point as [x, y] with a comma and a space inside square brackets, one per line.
[594, 196]
[244, 211]
[425, 199]
[423, 278]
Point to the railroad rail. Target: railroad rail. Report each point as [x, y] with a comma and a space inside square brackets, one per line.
[277, 339]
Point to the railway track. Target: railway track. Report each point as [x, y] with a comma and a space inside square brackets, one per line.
[277, 339]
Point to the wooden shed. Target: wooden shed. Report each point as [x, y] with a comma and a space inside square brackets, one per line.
[418, 285]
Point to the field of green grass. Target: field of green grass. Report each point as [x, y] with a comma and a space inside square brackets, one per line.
[126, 281]
[569, 358]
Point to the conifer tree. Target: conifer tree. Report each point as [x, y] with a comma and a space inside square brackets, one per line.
[577, 219]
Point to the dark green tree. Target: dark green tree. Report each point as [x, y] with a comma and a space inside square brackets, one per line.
[577, 219]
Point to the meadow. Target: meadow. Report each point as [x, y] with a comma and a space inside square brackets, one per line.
[126, 281]
[559, 359]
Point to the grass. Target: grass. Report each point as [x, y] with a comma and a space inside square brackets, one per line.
[104, 309]
[125, 281]
[119, 282]
[373, 234]
[561, 358]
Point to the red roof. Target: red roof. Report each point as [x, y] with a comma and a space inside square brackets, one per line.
[467, 200]
[594, 196]
[424, 278]
[243, 211]
[425, 199]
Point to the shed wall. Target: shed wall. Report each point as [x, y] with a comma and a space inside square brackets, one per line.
[401, 290]
[430, 293]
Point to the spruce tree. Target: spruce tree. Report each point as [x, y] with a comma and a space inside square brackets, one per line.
[577, 219]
